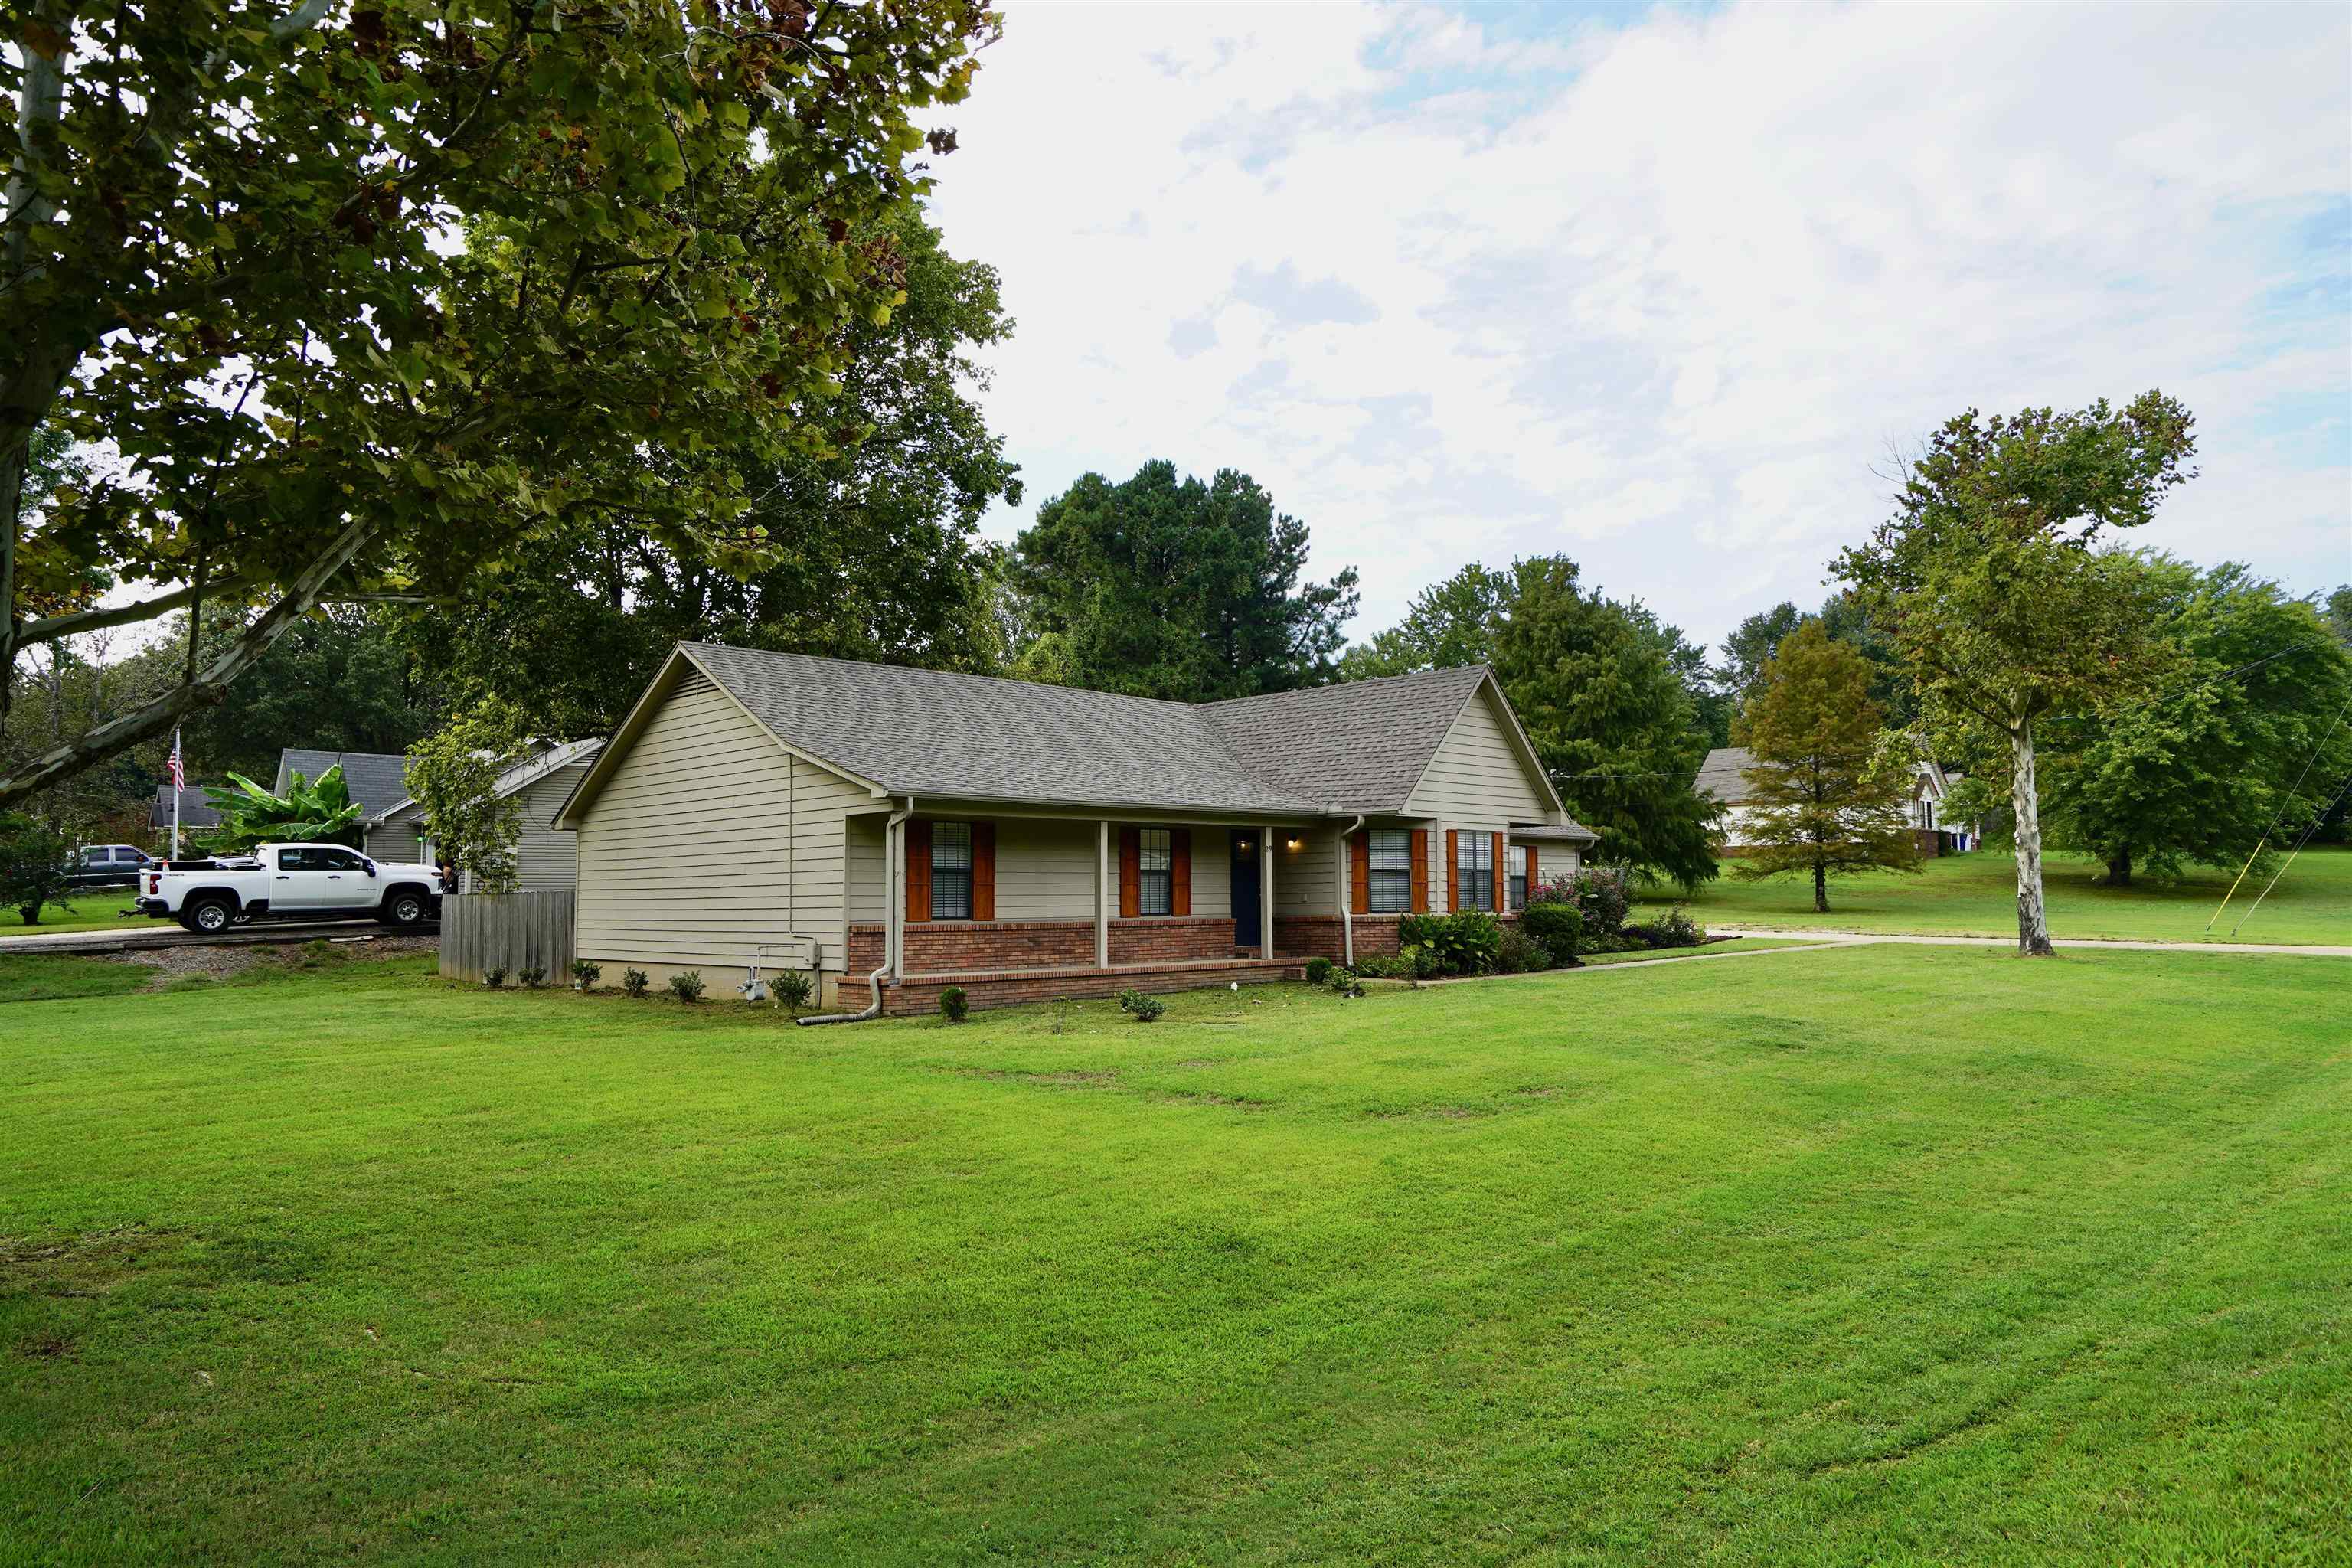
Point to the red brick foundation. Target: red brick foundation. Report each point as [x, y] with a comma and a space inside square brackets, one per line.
[920, 992]
[939, 947]
[1308, 936]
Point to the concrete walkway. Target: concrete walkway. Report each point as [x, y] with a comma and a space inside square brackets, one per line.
[1850, 939]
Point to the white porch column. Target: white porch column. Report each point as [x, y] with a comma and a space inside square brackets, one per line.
[1103, 894]
[1266, 891]
[894, 891]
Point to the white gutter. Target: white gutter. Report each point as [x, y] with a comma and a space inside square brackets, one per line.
[893, 915]
[1346, 901]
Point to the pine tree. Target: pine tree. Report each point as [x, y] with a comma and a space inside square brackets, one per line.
[1817, 803]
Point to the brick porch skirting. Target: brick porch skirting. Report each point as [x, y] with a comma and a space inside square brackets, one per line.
[1308, 936]
[920, 992]
[946, 947]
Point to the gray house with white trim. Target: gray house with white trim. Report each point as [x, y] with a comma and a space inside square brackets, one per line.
[901, 830]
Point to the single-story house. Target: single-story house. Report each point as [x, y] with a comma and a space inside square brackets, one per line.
[1724, 776]
[375, 779]
[196, 811]
[546, 857]
[899, 830]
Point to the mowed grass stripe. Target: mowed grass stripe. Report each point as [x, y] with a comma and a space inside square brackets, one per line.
[1832, 1255]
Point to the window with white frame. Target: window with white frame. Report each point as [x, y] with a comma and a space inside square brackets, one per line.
[1519, 869]
[1156, 887]
[950, 870]
[1473, 871]
[1391, 871]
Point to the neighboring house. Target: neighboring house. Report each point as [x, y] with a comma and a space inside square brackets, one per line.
[546, 857]
[375, 779]
[1030, 841]
[197, 813]
[1724, 776]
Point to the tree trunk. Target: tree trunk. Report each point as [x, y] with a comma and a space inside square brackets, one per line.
[2119, 867]
[1820, 889]
[2032, 919]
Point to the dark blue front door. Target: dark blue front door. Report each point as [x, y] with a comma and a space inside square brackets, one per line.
[1246, 929]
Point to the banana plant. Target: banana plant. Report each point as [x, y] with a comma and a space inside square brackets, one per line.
[307, 813]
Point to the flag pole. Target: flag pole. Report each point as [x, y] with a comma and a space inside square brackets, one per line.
[177, 786]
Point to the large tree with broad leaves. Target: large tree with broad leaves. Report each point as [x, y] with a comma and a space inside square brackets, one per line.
[1990, 580]
[367, 298]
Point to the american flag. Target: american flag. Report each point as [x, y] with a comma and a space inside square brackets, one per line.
[179, 772]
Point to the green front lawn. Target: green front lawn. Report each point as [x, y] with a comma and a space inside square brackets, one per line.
[1975, 894]
[1735, 944]
[89, 911]
[1864, 1255]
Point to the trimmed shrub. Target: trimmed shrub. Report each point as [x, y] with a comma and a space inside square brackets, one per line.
[531, 978]
[1318, 970]
[1462, 943]
[687, 988]
[1146, 1009]
[1555, 925]
[1519, 954]
[794, 987]
[634, 982]
[585, 975]
[954, 1005]
[494, 978]
[1673, 929]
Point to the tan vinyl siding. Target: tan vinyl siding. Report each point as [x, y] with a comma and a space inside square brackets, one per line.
[865, 837]
[1476, 779]
[708, 840]
[1045, 867]
[1304, 878]
[397, 839]
[547, 859]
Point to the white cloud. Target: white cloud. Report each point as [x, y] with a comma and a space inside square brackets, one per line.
[1662, 294]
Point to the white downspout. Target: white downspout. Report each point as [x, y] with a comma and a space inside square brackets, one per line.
[1347, 899]
[894, 915]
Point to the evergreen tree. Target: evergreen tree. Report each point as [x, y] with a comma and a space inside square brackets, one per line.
[1173, 588]
[1817, 802]
[1610, 719]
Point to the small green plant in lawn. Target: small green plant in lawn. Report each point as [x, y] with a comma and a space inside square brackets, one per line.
[495, 977]
[1344, 981]
[584, 975]
[317, 951]
[1318, 970]
[793, 987]
[954, 1003]
[634, 982]
[1144, 1009]
[531, 979]
[687, 988]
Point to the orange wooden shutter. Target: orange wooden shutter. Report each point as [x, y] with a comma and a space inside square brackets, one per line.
[1179, 870]
[1531, 873]
[1421, 870]
[983, 870]
[1502, 877]
[1130, 872]
[1453, 869]
[1359, 872]
[919, 870]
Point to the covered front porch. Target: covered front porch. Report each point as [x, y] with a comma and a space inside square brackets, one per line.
[1022, 905]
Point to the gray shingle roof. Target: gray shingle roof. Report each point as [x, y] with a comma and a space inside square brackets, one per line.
[1361, 746]
[376, 779]
[1719, 775]
[196, 811]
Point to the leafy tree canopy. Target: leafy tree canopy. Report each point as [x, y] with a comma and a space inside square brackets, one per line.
[228, 252]
[2244, 737]
[1990, 582]
[35, 866]
[452, 773]
[1820, 800]
[1173, 588]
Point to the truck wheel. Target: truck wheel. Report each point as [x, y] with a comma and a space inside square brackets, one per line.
[404, 907]
[208, 917]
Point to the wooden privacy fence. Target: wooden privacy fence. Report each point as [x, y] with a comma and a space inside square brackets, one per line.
[513, 932]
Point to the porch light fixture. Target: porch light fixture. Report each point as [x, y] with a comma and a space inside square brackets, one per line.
[1296, 843]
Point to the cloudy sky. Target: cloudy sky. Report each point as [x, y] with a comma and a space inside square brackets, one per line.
[1661, 287]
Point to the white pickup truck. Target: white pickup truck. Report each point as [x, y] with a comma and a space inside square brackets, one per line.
[289, 882]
